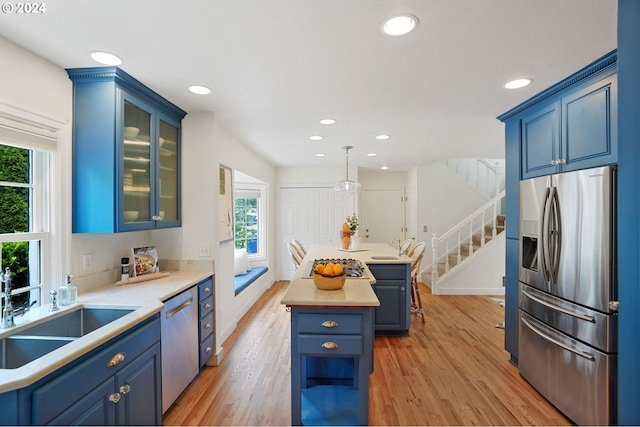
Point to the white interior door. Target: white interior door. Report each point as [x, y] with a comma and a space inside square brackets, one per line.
[311, 215]
[382, 216]
[411, 214]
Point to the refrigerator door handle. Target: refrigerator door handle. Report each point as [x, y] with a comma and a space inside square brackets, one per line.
[544, 235]
[555, 233]
[560, 309]
[558, 343]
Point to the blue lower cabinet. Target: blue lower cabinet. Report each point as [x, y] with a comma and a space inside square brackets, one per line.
[393, 289]
[119, 383]
[331, 360]
[206, 314]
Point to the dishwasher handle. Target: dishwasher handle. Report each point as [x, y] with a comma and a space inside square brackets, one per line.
[175, 310]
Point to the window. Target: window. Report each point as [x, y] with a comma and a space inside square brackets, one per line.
[24, 220]
[31, 223]
[246, 219]
[250, 215]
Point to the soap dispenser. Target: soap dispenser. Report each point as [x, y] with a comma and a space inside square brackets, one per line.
[67, 293]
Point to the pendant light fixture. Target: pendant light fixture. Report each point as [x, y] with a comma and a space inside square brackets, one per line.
[346, 185]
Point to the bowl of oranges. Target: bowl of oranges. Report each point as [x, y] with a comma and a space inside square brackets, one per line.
[329, 276]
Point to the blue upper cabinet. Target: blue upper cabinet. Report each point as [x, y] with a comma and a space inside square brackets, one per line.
[126, 154]
[571, 125]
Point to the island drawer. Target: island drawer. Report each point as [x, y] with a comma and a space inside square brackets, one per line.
[322, 323]
[328, 345]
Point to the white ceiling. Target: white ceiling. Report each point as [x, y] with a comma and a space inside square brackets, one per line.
[276, 67]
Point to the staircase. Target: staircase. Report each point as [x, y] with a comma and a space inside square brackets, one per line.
[455, 248]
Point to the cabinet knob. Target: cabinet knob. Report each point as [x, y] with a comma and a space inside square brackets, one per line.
[157, 218]
[329, 345]
[207, 289]
[124, 389]
[207, 350]
[402, 288]
[115, 360]
[207, 326]
[554, 162]
[329, 324]
[207, 306]
[114, 397]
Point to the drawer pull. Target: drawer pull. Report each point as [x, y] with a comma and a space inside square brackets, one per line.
[115, 360]
[207, 290]
[329, 345]
[329, 324]
[207, 350]
[114, 397]
[207, 326]
[124, 389]
[207, 306]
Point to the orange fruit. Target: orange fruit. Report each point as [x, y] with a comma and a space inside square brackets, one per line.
[337, 269]
[328, 270]
[319, 268]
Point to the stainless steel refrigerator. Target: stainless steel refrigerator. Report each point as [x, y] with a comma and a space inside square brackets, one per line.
[568, 292]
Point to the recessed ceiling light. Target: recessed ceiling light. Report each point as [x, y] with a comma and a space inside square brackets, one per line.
[327, 121]
[372, 154]
[316, 137]
[384, 168]
[399, 25]
[382, 137]
[518, 83]
[320, 154]
[105, 58]
[200, 90]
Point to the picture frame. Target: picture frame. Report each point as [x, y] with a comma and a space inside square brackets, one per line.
[225, 204]
[145, 260]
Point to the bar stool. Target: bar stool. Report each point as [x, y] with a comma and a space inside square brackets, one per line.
[295, 254]
[405, 245]
[299, 246]
[416, 259]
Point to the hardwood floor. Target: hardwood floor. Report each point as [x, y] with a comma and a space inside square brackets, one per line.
[452, 370]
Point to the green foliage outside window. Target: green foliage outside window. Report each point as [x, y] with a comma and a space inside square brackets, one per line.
[14, 205]
[246, 224]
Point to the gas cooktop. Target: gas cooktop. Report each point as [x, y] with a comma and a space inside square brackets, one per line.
[352, 267]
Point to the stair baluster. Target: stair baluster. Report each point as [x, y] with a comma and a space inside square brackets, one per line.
[453, 254]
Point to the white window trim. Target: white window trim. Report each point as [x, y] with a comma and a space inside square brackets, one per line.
[26, 128]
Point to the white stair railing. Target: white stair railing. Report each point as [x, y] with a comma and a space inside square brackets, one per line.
[462, 235]
[485, 177]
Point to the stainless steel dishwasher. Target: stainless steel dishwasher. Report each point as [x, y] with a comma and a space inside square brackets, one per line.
[179, 345]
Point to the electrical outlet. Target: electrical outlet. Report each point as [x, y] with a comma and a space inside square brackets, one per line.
[424, 228]
[87, 262]
[205, 251]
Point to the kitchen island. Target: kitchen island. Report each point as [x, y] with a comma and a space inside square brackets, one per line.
[332, 339]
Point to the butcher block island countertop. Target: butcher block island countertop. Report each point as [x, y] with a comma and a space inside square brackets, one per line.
[356, 292]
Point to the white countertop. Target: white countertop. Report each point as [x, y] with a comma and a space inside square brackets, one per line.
[145, 297]
[356, 292]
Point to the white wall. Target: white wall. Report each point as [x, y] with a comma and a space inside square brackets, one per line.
[481, 275]
[444, 199]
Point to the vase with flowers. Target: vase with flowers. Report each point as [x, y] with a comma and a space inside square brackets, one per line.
[349, 228]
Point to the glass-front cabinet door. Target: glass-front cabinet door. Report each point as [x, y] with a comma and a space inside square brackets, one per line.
[168, 177]
[126, 154]
[137, 164]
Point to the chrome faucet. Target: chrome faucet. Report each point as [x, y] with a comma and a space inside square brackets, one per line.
[7, 311]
